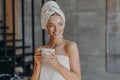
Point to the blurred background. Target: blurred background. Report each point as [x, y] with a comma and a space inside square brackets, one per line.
[93, 24]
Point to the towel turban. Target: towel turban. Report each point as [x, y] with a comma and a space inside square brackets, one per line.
[48, 9]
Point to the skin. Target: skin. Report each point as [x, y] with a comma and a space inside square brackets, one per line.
[64, 47]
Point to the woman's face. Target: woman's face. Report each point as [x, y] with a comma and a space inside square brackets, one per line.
[55, 26]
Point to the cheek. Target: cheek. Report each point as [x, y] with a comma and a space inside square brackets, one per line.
[62, 30]
[50, 30]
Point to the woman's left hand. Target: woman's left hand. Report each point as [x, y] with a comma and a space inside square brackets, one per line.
[52, 59]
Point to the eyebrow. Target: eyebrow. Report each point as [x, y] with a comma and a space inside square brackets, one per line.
[50, 23]
[58, 23]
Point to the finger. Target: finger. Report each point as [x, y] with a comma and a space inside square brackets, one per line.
[38, 53]
[46, 60]
[37, 59]
[53, 55]
[37, 56]
[50, 56]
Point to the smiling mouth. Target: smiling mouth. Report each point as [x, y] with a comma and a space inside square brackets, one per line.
[56, 34]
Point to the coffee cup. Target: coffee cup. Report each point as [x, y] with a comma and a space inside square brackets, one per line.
[46, 52]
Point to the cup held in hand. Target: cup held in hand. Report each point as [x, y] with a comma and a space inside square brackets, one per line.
[46, 52]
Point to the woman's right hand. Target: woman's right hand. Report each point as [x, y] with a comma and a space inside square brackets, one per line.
[38, 57]
[37, 61]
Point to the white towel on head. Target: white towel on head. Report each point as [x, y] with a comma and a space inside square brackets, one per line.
[48, 9]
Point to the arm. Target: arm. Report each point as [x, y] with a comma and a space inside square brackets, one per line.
[36, 72]
[74, 73]
[37, 65]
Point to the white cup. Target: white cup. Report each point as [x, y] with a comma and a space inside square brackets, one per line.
[46, 52]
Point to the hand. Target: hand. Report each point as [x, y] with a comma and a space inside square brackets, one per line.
[38, 57]
[52, 59]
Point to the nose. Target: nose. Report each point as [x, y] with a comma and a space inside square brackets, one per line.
[56, 29]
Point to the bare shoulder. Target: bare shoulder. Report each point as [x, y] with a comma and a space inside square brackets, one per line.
[70, 44]
[71, 47]
[37, 49]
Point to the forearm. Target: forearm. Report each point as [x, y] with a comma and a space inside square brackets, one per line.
[68, 75]
[36, 72]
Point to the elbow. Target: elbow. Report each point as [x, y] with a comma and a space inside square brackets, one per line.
[76, 78]
[79, 77]
[33, 78]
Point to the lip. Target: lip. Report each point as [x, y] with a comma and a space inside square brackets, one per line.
[56, 34]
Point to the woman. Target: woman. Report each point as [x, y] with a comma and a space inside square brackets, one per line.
[64, 63]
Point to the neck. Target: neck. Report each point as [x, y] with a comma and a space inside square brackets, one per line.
[55, 42]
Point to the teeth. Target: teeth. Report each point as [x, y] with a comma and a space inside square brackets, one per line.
[55, 33]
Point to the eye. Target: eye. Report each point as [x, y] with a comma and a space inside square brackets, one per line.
[51, 25]
[60, 24]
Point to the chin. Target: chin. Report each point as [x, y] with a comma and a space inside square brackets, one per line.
[57, 36]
